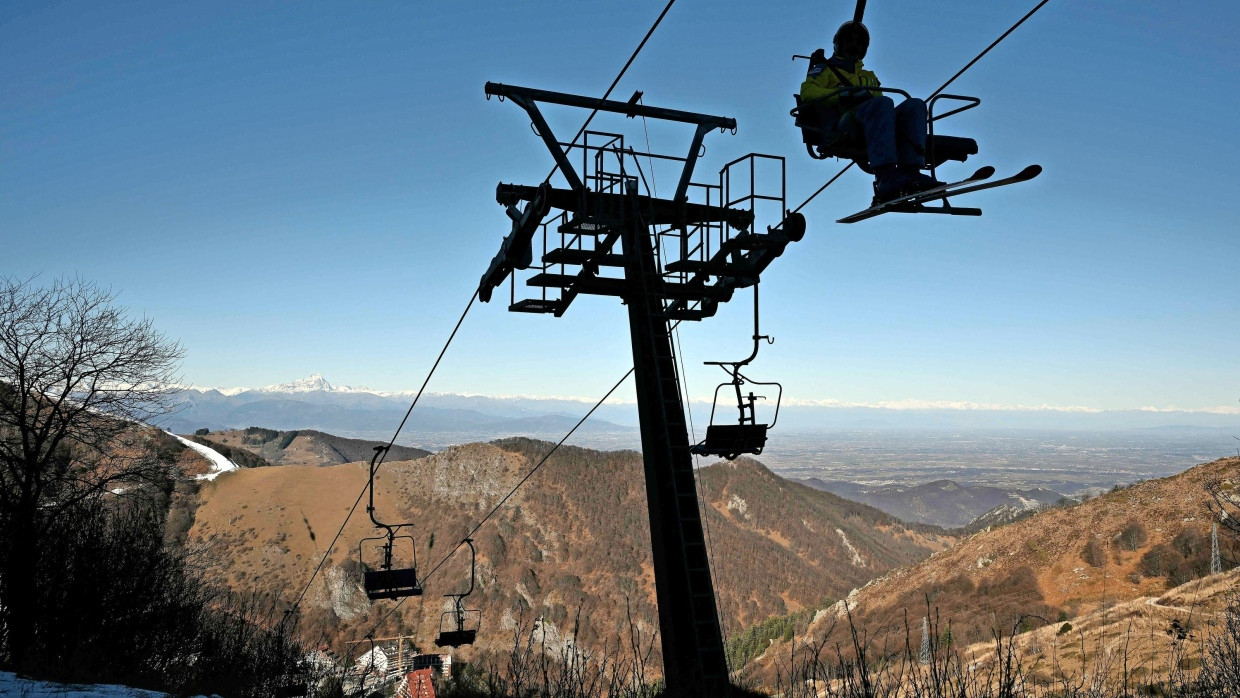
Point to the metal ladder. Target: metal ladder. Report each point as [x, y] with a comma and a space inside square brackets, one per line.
[674, 480]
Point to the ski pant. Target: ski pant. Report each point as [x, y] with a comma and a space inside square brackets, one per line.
[893, 134]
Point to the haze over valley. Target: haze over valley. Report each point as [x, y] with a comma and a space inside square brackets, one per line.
[1071, 453]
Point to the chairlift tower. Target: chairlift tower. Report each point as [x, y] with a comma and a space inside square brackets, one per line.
[668, 260]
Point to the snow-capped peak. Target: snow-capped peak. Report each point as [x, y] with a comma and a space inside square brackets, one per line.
[310, 384]
[313, 383]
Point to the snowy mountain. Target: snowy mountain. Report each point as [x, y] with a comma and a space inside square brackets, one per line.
[358, 412]
[314, 402]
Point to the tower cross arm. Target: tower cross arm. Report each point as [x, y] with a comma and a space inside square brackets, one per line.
[656, 211]
[495, 89]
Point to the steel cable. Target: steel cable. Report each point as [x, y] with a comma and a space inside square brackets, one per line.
[580, 131]
[960, 72]
[505, 498]
[379, 462]
[611, 87]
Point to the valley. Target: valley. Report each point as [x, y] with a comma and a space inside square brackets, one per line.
[569, 554]
[574, 541]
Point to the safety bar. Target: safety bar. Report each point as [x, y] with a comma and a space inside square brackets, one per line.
[795, 111]
[972, 102]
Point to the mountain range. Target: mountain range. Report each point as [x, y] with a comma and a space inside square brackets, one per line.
[441, 419]
[570, 550]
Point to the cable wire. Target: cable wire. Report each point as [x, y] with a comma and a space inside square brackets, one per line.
[960, 72]
[551, 174]
[506, 497]
[987, 49]
[369, 483]
[611, 87]
[823, 187]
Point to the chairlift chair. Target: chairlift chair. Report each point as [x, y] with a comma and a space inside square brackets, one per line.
[823, 136]
[822, 140]
[460, 625]
[746, 436]
[386, 581]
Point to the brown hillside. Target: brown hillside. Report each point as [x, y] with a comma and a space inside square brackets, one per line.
[1147, 637]
[304, 446]
[1114, 549]
[575, 538]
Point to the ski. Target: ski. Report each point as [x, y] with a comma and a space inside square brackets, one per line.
[914, 203]
[1023, 176]
[912, 199]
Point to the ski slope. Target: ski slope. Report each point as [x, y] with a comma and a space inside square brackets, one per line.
[219, 464]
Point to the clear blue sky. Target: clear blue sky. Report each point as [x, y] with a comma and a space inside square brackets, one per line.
[293, 188]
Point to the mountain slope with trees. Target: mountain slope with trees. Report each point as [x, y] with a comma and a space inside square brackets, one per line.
[1056, 566]
[299, 447]
[93, 583]
[574, 540]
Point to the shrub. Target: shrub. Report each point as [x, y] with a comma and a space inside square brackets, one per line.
[257, 436]
[1133, 536]
[202, 432]
[1220, 669]
[287, 439]
[1157, 560]
[117, 605]
[1094, 553]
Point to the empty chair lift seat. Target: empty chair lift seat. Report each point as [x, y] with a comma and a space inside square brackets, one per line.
[732, 440]
[391, 584]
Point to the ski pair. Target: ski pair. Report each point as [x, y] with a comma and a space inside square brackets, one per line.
[913, 203]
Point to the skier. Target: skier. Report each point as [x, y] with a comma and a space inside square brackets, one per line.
[894, 136]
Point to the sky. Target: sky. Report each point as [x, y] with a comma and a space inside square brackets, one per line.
[297, 188]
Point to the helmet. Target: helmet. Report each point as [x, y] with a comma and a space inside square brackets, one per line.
[851, 41]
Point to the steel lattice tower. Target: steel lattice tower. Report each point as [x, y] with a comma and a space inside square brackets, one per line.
[668, 260]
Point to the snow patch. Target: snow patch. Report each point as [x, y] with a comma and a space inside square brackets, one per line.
[856, 556]
[1026, 502]
[11, 685]
[219, 464]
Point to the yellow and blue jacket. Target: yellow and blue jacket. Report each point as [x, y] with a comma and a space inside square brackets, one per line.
[825, 76]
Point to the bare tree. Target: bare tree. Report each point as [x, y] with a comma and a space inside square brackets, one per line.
[1224, 504]
[76, 373]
